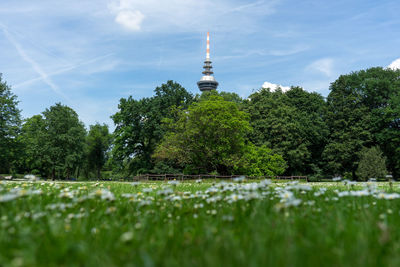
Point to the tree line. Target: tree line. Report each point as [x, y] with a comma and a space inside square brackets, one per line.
[354, 132]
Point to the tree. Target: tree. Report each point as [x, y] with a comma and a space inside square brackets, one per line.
[10, 121]
[139, 125]
[210, 136]
[227, 96]
[65, 140]
[262, 161]
[98, 142]
[33, 139]
[363, 111]
[372, 164]
[290, 123]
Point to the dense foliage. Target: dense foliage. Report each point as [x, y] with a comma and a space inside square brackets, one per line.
[363, 111]
[139, 126]
[290, 123]
[271, 132]
[211, 137]
[98, 143]
[54, 143]
[9, 127]
[207, 137]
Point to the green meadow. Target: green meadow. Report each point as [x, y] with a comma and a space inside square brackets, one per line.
[202, 223]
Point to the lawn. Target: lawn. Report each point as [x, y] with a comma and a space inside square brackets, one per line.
[203, 223]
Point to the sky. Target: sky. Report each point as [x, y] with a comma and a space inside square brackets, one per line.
[89, 54]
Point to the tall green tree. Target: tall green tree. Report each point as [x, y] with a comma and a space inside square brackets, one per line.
[65, 140]
[10, 121]
[33, 140]
[210, 136]
[292, 124]
[139, 125]
[363, 111]
[98, 143]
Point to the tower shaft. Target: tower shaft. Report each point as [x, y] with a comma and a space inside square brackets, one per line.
[207, 82]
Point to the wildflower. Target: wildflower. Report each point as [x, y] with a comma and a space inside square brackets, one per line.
[8, 197]
[310, 202]
[265, 183]
[110, 210]
[104, 194]
[176, 198]
[66, 194]
[286, 195]
[197, 206]
[227, 218]
[389, 196]
[293, 202]
[126, 237]
[359, 193]
[213, 199]
[343, 193]
[212, 191]
[174, 183]
[235, 197]
[166, 191]
[38, 215]
[147, 190]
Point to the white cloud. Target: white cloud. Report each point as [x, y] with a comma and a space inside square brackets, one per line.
[190, 15]
[395, 65]
[324, 66]
[130, 19]
[274, 86]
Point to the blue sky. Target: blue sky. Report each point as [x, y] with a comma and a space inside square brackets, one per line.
[88, 54]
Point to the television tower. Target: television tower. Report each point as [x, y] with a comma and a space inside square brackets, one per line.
[207, 82]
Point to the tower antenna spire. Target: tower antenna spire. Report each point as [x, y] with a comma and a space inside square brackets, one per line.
[208, 45]
[207, 82]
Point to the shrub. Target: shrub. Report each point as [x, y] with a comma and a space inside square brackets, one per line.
[372, 164]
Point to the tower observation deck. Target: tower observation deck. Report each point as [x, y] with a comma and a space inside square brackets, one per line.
[207, 82]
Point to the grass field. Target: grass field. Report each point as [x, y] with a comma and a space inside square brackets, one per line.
[199, 224]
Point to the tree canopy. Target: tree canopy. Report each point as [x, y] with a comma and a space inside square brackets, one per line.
[363, 111]
[269, 133]
[290, 123]
[10, 120]
[210, 136]
[98, 143]
[139, 125]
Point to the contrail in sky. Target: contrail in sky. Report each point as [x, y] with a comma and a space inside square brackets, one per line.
[36, 67]
[62, 70]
